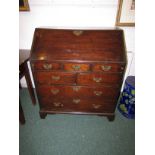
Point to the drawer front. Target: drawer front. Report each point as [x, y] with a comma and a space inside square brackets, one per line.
[79, 105]
[78, 91]
[108, 67]
[99, 78]
[46, 66]
[76, 67]
[55, 78]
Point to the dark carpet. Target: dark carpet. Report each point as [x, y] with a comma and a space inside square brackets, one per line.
[74, 134]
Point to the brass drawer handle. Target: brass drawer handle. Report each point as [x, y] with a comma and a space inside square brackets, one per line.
[96, 106]
[47, 66]
[105, 68]
[76, 89]
[97, 79]
[76, 101]
[54, 91]
[58, 104]
[98, 93]
[77, 32]
[56, 78]
[76, 67]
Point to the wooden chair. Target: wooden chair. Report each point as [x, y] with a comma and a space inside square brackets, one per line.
[24, 71]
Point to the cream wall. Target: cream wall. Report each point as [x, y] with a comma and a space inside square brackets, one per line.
[72, 13]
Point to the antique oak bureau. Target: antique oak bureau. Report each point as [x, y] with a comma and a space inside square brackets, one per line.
[78, 71]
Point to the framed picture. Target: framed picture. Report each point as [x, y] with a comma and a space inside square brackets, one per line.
[24, 5]
[126, 13]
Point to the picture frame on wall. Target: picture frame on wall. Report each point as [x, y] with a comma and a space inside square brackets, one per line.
[24, 5]
[125, 13]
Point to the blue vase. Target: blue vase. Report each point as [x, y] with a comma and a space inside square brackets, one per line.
[126, 105]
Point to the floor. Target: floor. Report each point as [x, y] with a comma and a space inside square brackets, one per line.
[74, 134]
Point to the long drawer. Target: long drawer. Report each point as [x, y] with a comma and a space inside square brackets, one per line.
[78, 91]
[82, 105]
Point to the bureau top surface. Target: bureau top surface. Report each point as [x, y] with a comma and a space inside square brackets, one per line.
[78, 45]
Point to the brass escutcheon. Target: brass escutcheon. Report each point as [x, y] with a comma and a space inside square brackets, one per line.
[76, 67]
[76, 89]
[54, 91]
[47, 66]
[105, 68]
[57, 104]
[77, 32]
[76, 101]
[96, 106]
[97, 79]
[56, 78]
[98, 93]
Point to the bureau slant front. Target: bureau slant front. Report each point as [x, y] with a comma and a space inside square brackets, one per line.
[78, 71]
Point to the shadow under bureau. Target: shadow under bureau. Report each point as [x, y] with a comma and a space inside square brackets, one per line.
[78, 71]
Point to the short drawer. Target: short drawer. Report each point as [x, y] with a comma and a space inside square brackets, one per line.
[99, 78]
[78, 91]
[108, 67]
[46, 66]
[79, 105]
[76, 67]
[55, 78]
